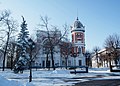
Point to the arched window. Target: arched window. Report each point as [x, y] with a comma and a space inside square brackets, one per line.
[79, 50]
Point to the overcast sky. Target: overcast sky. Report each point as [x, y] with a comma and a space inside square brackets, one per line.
[101, 18]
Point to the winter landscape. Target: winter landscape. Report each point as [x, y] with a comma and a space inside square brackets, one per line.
[38, 49]
[59, 77]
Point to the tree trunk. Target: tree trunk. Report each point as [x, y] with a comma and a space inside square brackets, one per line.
[116, 62]
[110, 66]
[97, 60]
[52, 60]
[107, 62]
[66, 62]
[104, 64]
[5, 51]
[11, 62]
[97, 63]
[47, 63]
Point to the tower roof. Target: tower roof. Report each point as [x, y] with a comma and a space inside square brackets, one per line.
[78, 24]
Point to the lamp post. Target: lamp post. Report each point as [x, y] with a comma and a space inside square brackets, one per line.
[88, 59]
[31, 45]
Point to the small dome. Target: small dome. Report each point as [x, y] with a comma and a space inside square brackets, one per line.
[78, 24]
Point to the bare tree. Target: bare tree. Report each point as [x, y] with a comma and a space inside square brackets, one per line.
[66, 48]
[112, 45]
[10, 53]
[112, 41]
[54, 36]
[4, 14]
[36, 50]
[88, 58]
[96, 50]
[8, 26]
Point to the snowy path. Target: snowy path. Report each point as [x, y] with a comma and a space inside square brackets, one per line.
[58, 77]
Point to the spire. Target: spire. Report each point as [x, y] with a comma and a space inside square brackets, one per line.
[77, 14]
[77, 18]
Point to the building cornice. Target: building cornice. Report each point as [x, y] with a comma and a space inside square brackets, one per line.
[77, 30]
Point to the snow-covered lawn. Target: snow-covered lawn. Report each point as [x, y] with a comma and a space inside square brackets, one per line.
[54, 78]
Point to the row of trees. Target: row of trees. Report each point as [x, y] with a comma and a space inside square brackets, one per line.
[7, 28]
[111, 52]
[112, 46]
[8, 42]
[54, 37]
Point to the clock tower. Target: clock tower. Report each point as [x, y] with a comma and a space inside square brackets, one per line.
[78, 40]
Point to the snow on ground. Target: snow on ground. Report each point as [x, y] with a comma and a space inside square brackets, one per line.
[5, 82]
[57, 77]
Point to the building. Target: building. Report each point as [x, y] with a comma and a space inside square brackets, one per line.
[97, 61]
[78, 40]
[104, 56]
[76, 56]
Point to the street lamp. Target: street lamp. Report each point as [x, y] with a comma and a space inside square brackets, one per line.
[32, 46]
[88, 59]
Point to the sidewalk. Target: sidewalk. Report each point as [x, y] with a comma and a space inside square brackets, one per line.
[108, 82]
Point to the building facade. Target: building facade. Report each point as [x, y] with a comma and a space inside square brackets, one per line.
[78, 40]
[76, 56]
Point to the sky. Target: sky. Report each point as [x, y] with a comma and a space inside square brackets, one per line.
[101, 18]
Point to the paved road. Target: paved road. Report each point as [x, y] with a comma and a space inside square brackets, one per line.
[110, 82]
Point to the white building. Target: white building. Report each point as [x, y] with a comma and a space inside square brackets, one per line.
[102, 59]
[76, 58]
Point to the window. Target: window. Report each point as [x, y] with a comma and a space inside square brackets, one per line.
[69, 63]
[79, 50]
[79, 36]
[80, 62]
[43, 63]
